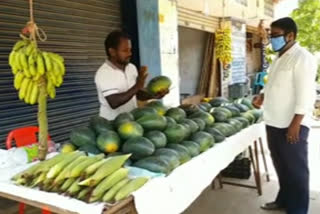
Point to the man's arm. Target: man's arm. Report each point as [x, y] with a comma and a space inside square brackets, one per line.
[143, 95]
[116, 100]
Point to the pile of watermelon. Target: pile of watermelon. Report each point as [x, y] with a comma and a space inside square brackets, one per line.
[160, 138]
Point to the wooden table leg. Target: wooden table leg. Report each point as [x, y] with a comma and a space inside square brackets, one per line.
[255, 173]
[258, 167]
[264, 159]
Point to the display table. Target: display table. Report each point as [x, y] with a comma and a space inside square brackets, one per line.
[170, 195]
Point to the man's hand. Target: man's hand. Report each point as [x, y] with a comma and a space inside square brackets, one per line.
[257, 101]
[293, 133]
[161, 94]
[142, 76]
[294, 129]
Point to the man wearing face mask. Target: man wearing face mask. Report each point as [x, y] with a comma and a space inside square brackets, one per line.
[287, 100]
[118, 82]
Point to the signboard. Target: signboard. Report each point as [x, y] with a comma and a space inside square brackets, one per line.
[238, 65]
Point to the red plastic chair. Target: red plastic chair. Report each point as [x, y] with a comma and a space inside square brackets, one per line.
[24, 136]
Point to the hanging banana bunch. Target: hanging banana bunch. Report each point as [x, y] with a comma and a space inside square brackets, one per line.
[223, 45]
[28, 64]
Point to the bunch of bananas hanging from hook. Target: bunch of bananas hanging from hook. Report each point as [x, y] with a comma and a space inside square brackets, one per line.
[223, 45]
[29, 64]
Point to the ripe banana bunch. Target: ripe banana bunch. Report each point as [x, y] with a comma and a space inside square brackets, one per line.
[223, 45]
[28, 64]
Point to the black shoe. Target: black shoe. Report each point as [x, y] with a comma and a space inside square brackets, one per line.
[272, 206]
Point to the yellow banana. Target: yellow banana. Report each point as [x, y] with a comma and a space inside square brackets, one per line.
[30, 48]
[32, 67]
[52, 77]
[23, 60]
[56, 69]
[18, 79]
[16, 61]
[11, 58]
[36, 77]
[59, 81]
[52, 92]
[28, 92]
[23, 89]
[34, 94]
[49, 85]
[27, 73]
[19, 44]
[40, 64]
[56, 57]
[59, 60]
[47, 61]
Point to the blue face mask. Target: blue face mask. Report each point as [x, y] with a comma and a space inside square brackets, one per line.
[278, 43]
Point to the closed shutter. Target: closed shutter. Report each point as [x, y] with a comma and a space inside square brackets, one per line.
[76, 29]
[197, 20]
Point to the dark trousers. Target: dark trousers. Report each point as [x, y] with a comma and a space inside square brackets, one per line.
[291, 164]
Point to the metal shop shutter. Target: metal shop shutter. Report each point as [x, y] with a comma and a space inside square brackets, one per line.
[76, 29]
[196, 20]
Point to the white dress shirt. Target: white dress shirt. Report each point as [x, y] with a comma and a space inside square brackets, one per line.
[111, 80]
[291, 88]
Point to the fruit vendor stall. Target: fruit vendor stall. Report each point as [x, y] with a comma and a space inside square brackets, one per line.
[152, 152]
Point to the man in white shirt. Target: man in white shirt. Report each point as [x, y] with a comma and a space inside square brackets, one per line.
[287, 100]
[117, 80]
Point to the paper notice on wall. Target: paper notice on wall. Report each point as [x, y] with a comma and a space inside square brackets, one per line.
[238, 66]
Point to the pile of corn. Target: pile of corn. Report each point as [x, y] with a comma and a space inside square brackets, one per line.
[89, 179]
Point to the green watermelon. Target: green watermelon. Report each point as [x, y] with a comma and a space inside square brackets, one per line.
[217, 135]
[158, 106]
[201, 123]
[130, 129]
[208, 118]
[158, 138]
[177, 114]
[193, 147]
[175, 133]
[205, 106]
[82, 136]
[154, 164]
[153, 122]
[170, 121]
[183, 152]
[190, 108]
[204, 139]
[139, 112]
[193, 125]
[108, 142]
[139, 147]
[100, 124]
[159, 84]
[90, 148]
[122, 118]
[218, 101]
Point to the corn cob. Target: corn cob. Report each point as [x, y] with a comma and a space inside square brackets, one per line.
[108, 167]
[109, 181]
[77, 170]
[63, 175]
[67, 183]
[113, 191]
[56, 169]
[92, 169]
[130, 187]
